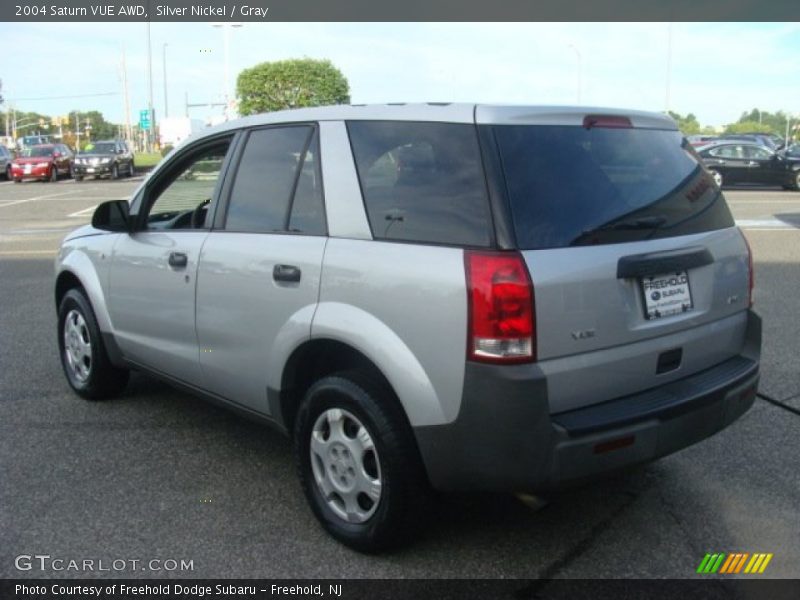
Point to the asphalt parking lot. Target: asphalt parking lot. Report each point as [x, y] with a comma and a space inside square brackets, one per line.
[157, 474]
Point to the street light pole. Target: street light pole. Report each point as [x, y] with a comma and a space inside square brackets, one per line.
[151, 133]
[669, 67]
[164, 67]
[578, 55]
[226, 28]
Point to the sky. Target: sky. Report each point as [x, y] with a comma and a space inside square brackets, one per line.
[715, 70]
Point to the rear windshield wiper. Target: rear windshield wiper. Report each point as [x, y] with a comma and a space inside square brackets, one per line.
[640, 223]
[653, 222]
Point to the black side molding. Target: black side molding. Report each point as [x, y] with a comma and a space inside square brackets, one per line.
[657, 263]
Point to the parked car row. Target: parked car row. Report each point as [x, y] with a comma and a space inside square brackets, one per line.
[770, 140]
[737, 161]
[48, 162]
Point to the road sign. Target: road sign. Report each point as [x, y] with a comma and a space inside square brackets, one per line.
[144, 119]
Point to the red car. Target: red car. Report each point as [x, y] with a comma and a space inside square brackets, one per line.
[46, 162]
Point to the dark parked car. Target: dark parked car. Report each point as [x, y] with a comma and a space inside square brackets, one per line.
[746, 162]
[770, 140]
[5, 161]
[112, 158]
[46, 162]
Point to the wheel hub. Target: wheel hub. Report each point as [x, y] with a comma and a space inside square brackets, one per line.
[77, 346]
[345, 465]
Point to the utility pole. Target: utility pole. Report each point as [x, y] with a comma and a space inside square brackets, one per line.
[226, 34]
[164, 68]
[78, 131]
[126, 98]
[151, 132]
[669, 67]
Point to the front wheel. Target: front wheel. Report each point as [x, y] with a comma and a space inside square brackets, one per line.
[8, 173]
[83, 354]
[53, 174]
[115, 171]
[796, 181]
[358, 463]
[717, 177]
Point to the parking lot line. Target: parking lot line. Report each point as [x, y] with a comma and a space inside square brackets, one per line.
[35, 198]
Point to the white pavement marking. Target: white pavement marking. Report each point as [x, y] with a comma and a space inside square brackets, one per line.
[83, 213]
[764, 224]
[24, 252]
[35, 198]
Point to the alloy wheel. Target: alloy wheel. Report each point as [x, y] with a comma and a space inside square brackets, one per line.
[77, 346]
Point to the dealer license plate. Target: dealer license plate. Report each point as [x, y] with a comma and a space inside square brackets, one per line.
[27, 169]
[90, 170]
[666, 295]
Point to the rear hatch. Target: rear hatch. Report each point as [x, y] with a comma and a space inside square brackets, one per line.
[639, 275]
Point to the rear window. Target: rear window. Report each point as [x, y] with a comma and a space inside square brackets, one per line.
[573, 186]
[422, 182]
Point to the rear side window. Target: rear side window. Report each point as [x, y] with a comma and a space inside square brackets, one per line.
[573, 186]
[422, 182]
[270, 170]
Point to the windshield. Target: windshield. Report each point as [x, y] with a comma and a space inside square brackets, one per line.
[37, 151]
[571, 186]
[100, 148]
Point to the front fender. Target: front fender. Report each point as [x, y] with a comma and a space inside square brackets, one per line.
[88, 262]
[375, 340]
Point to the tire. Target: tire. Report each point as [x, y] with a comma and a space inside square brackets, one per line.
[358, 463]
[717, 177]
[133, 168]
[18, 181]
[796, 182]
[53, 175]
[8, 173]
[115, 171]
[83, 355]
[71, 172]
[78, 177]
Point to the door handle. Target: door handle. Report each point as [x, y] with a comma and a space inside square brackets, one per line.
[178, 259]
[288, 273]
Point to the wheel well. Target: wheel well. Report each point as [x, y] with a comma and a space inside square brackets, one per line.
[65, 282]
[316, 359]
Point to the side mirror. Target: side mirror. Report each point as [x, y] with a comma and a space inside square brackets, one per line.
[112, 216]
[56, 154]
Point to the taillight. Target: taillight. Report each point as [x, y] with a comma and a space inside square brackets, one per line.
[501, 317]
[751, 274]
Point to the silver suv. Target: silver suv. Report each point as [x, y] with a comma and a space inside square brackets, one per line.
[454, 297]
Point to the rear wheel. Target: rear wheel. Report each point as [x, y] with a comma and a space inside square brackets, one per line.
[717, 177]
[83, 354]
[8, 173]
[358, 462]
[796, 182]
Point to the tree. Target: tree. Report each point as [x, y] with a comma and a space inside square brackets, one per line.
[290, 83]
[749, 127]
[688, 124]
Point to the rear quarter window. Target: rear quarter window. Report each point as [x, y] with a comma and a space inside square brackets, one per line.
[422, 182]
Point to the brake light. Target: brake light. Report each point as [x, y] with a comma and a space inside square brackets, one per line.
[751, 274]
[610, 121]
[501, 318]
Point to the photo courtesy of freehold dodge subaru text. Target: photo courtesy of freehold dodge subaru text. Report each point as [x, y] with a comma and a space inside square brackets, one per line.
[455, 297]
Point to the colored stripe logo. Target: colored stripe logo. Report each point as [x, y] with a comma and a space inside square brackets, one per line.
[736, 562]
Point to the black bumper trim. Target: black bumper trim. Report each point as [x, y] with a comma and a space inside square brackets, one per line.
[665, 402]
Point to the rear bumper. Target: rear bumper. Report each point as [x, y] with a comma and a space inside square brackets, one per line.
[506, 439]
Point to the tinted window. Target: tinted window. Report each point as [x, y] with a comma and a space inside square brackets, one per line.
[731, 151]
[265, 179]
[308, 211]
[757, 153]
[422, 181]
[577, 186]
[184, 197]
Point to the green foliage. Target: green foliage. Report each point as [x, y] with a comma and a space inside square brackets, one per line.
[291, 83]
[688, 124]
[749, 127]
[147, 159]
[166, 149]
[764, 121]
